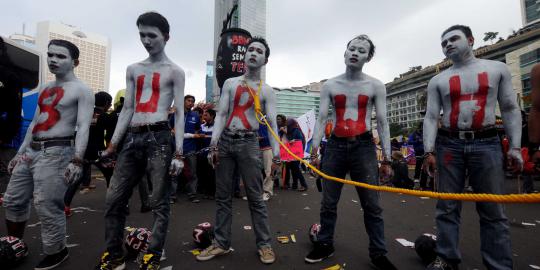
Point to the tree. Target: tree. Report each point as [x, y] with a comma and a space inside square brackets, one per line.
[396, 129]
[490, 36]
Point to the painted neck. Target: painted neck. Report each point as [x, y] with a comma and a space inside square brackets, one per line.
[253, 74]
[464, 59]
[68, 76]
[158, 57]
[353, 73]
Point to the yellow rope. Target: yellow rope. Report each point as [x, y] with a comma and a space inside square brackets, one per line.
[473, 197]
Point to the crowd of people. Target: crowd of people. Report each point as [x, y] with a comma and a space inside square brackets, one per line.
[207, 152]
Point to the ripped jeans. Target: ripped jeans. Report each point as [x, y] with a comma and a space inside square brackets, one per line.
[146, 153]
[41, 175]
[483, 160]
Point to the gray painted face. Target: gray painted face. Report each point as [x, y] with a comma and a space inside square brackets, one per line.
[59, 60]
[152, 39]
[357, 52]
[455, 45]
[255, 55]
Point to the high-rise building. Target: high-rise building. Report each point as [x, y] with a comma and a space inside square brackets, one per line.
[209, 81]
[250, 15]
[95, 52]
[530, 11]
[296, 102]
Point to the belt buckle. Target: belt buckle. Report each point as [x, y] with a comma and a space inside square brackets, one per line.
[36, 145]
[466, 135]
[352, 139]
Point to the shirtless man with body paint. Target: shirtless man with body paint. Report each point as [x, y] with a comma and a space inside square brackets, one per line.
[152, 85]
[350, 149]
[236, 141]
[467, 93]
[51, 156]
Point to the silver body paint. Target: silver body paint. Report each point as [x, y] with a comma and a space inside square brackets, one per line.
[75, 110]
[352, 84]
[468, 68]
[171, 88]
[254, 61]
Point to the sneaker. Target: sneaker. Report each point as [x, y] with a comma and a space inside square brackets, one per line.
[107, 262]
[212, 251]
[67, 211]
[266, 255]
[85, 191]
[150, 261]
[302, 189]
[244, 198]
[441, 264]
[52, 261]
[266, 197]
[320, 252]
[194, 199]
[382, 263]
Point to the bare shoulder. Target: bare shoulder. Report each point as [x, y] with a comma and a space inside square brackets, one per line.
[378, 84]
[81, 87]
[268, 90]
[176, 69]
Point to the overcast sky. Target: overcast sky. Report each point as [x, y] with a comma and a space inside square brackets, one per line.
[307, 38]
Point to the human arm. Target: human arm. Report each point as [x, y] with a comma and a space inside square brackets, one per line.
[431, 124]
[124, 119]
[85, 110]
[534, 114]
[382, 120]
[270, 109]
[511, 116]
[27, 139]
[382, 127]
[178, 92]
[320, 125]
[219, 121]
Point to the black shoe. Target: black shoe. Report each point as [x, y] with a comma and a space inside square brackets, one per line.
[238, 195]
[441, 264]
[150, 261]
[382, 263]
[319, 253]
[194, 199]
[145, 209]
[52, 261]
[107, 262]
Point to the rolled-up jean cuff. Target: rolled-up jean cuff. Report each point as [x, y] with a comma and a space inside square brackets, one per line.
[54, 248]
[14, 217]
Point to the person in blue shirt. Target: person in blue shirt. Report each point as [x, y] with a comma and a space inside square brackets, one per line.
[191, 129]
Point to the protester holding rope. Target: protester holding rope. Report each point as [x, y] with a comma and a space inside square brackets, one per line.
[350, 148]
[467, 93]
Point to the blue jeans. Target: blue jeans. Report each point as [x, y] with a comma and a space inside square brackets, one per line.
[41, 177]
[244, 154]
[483, 160]
[359, 159]
[147, 153]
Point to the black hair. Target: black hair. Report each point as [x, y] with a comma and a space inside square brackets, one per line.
[263, 42]
[463, 28]
[154, 19]
[72, 48]
[282, 116]
[102, 99]
[199, 110]
[189, 96]
[211, 112]
[371, 52]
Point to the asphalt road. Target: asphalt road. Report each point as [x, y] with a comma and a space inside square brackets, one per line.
[291, 212]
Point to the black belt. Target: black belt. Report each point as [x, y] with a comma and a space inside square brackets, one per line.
[238, 134]
[42, 144]
[362, 137]
[158, 126]
[468, 134]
